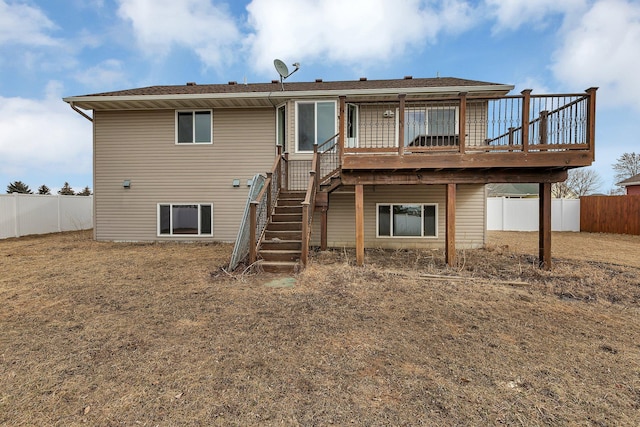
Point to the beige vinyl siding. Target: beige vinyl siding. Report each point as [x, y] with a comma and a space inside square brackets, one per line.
[470, 216]
[140, 146]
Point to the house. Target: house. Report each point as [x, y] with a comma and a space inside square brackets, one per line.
[365, 163]
[631, 185]
[517, 190]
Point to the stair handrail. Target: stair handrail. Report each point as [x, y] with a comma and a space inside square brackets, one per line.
[328, 158]
[308, 207]
[261, 209]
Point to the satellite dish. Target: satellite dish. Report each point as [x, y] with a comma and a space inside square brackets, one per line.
[282, 69]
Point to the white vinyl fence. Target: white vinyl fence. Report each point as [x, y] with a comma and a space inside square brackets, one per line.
[513, 214]
[23, 214]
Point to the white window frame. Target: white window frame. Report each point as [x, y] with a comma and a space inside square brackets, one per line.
[391, 205]
[171, 205]
[315, 130]
[193, 136]
[279, 131]
[426, 119]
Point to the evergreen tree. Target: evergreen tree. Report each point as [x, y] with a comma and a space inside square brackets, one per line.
[18, 187]
[85, 192]
[66, 190]
[43, 189]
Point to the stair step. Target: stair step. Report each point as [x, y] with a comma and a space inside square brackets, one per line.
[292, 245]
[297, 209]
[282, 235]
[292, 195]
[285, 226]
[290, 202]
[279, 266]
[279, 255]
[289, 217]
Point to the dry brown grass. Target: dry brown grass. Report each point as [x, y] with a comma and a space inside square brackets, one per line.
[157, 334]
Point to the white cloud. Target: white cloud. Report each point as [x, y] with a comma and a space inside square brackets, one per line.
[107, 74]
[602, 50]
[349, 32]
[43, 135]
[512, 14]
[22, 24]
[538, 86]
[206, 28]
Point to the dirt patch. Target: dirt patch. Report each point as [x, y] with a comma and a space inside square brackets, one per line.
[157, 334]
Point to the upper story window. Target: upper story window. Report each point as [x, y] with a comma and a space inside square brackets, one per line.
[194, 127]
[315, 123]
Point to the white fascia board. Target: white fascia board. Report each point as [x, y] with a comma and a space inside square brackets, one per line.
[290, 94]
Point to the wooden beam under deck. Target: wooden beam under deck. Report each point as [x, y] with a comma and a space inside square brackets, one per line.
[471, 160]
[450, 233]
[464, 176]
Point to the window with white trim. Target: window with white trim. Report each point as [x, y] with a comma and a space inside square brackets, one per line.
[315, 123]
[407, 220]
[194, 127]
[181, 219]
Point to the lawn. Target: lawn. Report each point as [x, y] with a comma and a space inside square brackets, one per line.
[113, 334]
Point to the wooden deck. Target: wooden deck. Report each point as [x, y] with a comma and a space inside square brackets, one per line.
[460, 140]
[486, 138]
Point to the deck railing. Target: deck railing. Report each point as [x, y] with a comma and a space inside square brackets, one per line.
[525, 123]
[261, 208]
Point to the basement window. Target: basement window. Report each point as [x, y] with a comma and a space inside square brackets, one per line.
[185, 219]
[194, 127]
[407, 220]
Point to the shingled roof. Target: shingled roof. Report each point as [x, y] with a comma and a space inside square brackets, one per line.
[318, 85]
[634, 180]
[233, 94]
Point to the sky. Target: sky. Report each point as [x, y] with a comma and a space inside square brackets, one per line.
[50, 49]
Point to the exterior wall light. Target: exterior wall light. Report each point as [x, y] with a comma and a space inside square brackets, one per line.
[236, 183]
[126, 183]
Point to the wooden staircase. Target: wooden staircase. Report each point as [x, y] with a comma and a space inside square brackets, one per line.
[281, 247]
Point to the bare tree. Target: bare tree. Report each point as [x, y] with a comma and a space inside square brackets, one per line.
[626, 166]
[580, 182]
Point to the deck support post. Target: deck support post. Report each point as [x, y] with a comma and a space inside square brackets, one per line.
[591, 121]
[544, 232]
[462, 123]
[401, 99]
[526, 108]
[342, 126]
[450, 236]
[359, 193]
[323, 228]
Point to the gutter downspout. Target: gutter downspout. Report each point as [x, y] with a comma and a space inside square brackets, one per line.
[82, 113]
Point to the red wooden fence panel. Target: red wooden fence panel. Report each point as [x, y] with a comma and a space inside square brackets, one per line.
[610, 214]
